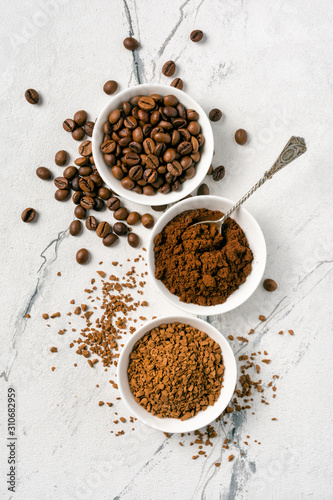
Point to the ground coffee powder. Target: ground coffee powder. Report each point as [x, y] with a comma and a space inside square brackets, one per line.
[199, 264]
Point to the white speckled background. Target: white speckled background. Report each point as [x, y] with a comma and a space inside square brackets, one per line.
[268, 67]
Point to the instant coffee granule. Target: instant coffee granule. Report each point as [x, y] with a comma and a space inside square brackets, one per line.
[176, 371]
[199, 264]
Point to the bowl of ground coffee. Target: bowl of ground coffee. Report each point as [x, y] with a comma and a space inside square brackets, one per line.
[196, 268]
[177, 373]
[152, 144]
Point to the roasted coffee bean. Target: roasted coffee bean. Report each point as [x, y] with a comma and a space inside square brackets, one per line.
[184, 148]
[157, 97]
[32, 96]
[97, 180]
[241, 136]
[155, 117]
[146, 129]
[168, 68]
[89, 128]
[80, 117]
[135, 173]
[61, 183]
[127, 183]
[169, 177]
[130, 43]
[104, 193]
[137, 189]
[215, 115]
[160, 149]
[175, 139]
[189, 173]
[194, 128]
[130, 122]
[170, 112]
[158, 183]
[195, 156]
[146, 103]
[175, 168]
[76, 184]
[133, 218]
[87, 202]
[181, 111]
[44, 173]
[127, 108]
[82, 161]
[120, 228]
[184, 134]
[136, 147]
[80, 212]
[150, 175]
[82, 256]
[69, 125]
[166, 126]
[192, 115]
[148, 190]
[169, 155]
[110, 87]
[152, 162]
[108, 147]
[159, 208]
[210, 170]
[113, 203]
[75, 227]
[186, 162]
[70, 173]
[61, 194]
[165, 189]
[85, 149]
[78, 134]
[131, 159]
[161, 137]
[270, 285]
[196, 35]
[201, 140]
[28, 215]
[91, 223]
[177, 83]
[110, 239]
[77, 197]
[149, 146]
[203, 189]
[99, 204]
[61, 158]
[137, 134]
[147, 221]
[175, 186]
[121, 213]
[103, 229]
[218, 173]
[194, 144]
[179, 123]
[86, 184]
[133, 240]
[170, 100]
[114, 116]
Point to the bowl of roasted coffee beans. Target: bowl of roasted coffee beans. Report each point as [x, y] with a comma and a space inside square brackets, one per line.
[177, 373]
[152, 144]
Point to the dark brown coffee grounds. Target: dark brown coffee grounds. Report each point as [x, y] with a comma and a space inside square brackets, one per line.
[176, 371]
[198, 264]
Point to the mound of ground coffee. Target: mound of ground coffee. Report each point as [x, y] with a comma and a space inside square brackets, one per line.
[199, 264]
[176, 371]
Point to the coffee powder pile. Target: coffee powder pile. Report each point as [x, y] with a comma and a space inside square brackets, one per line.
[176, 371]
[199, 264]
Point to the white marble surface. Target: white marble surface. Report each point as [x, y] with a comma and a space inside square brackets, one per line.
[268, 66]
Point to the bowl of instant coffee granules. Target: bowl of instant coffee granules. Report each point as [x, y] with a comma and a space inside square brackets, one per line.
[177, 373]
[200, 270]
[152, 144]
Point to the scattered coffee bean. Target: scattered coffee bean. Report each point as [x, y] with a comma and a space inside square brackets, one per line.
[104, 193]
[44, 173]
[218, 173]
[85, 171]
[159, 208]
[270, 285]
[80, 117]
[110, 87]
[147, 221]
[133, 218]
[103, 229]
[75, 227]
[28, 215]
[87, 202]
[203, 190]
[75, 184]
[113, 203]
[61, 194]
[121, 213]
[99, 204]
[196, 35]
[61, 183]
[78, 134]
[168, 68]
[76, 198]
[210, 170]
[110, 240]
[61, 158]
[82, 161]
[133, 240]
[80, 212]
[91, 223]
[32, 96]
[177, 83]
[130, 43]
[82, 256]
[69, 125]
[89, 128]
[215, 115]
[70, 173]
[85, 149]
[86, 184]
[241, 136]
[120, 229]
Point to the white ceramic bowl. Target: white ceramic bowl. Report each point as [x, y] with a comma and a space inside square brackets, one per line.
[254, 236]
[201, 167]
[203, 417]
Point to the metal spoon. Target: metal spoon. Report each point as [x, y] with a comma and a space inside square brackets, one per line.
[293, 149]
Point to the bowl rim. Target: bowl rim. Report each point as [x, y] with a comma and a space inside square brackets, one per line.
[171, 424]
[158, 199]
[195, 308]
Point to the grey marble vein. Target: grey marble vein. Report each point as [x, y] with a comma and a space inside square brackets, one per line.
[137, 61]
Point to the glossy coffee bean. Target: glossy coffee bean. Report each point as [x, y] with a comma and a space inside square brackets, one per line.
[69, 125]
[44, 173]
[80, 212]
[196, 35]
[89, 128]
[121, 213]
[241, 136]
[61, 194]
[28, 215]
[110, 87]
[110, 240]
[78, 134]
[104, 193]
[91, 223]
[120, 229]
[61, 158]
[133, 218]
[75, 227]
[203, 189]
[147, 221]
[103, 229]
[85, 149]
[215, 115]
[80, 117]
[218, 173]
[270, 285]
[168, 68]
[113, 203]
[82, 256]
[32, 96]
[99, 204]
[133, 240]
[75, 184]
[130, 43]
[76, 198]
[61, 183]
[177, 83]
[70, 173]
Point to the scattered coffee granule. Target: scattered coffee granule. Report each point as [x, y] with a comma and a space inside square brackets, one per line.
[230, 458]
[55, 315]
[291, 332]
[281, 332]
[262, 318]
[59, 273]
[45, 316]
[199, 264]
[53, 368]
[53, 349]
[217, 464]
[176, 371]
[27, 316]
[77, 310]
[230, 337]
[101, 403]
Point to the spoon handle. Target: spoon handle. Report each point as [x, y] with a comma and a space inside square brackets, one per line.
[293, 149]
